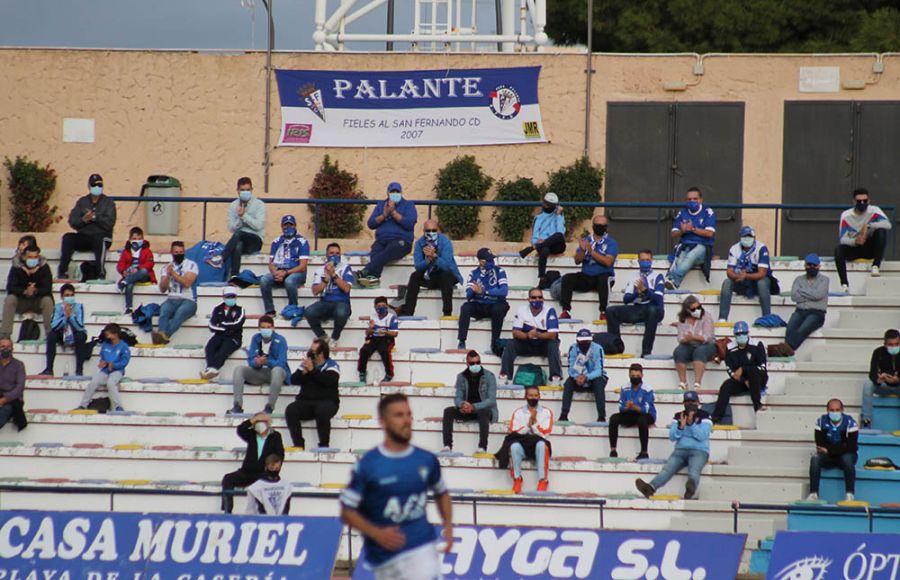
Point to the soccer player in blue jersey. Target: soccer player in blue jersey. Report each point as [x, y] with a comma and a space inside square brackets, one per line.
[387, 496]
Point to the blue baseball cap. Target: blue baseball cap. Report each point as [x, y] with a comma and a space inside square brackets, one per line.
[584, 335]
[691, 396]
[395, 186]
[813, 259]
[741, 327]
[288, 219]
[485, 254]
[748, 231]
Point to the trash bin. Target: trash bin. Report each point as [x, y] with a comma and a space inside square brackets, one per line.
[162, 216]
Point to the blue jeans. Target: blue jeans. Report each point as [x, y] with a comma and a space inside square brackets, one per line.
[684, 262]
[320, 311]
[291, 283]
[240, 244]
[694, 459]
[173, 313]
[801, 325]
[685, 353]
[762, 288]
[130, 280]
[846, 462]
[517, 452]
[870, 389]
[383, 252]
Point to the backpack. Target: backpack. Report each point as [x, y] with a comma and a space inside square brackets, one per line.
[100, 404]
[611, 343]
[89, 271]
[29, 330]
[127, 335]
[529, 375]
[549, 277]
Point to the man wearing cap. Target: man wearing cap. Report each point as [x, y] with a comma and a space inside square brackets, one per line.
[288, 259]
[548, 232]
[749, 274]
[394, 220]
[643, 300]
[227, 326]
[586, 373]
[486, 293]
[690, 430]
[247, 224]
[535, 332]
[596, 254]
[810, 293]
[746, 367]
[435, 268]
[93, 219]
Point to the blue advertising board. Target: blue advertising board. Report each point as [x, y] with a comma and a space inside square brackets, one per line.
[832, 555]
[505, 552]
[94, 546]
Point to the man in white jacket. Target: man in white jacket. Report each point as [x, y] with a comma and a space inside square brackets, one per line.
[529, 431]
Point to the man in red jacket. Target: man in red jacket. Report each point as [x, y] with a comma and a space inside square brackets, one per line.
[135, 265]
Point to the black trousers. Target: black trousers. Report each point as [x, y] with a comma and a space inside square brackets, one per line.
[555, 244]
[496, 311]
[321, 411]
[873, 248]
[219, 348]
[483, 416]
[239, 478]
[240, 244]
[630, 419]
[439, 279]
[77, 242]
[55, 337]
[753, 380]
[383, 346]
[581, 282]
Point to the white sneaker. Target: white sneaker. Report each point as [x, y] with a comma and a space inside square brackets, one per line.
[213, 373]
[849, 497]
[845, 288]
[446, 449]
[812, 497]
[206, 374]
[722, 321]
[333, 343]
[555, 382]
[504, 380]
[876, 271]
[480, 450]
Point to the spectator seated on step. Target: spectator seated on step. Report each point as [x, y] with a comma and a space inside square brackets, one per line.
[749, 274]
[644, 303]
[586, 373]
[12, 386]
[486, 292]
[380, 336]
[135, 265]
[745, 363]
[690, 430]
[227, 326]
[67, 328]
[319, 377]
[435, 267]
[863, 233]
[528, 438]
[836, 446]
[696, 341]
[637, 408]
[596, 254]
[475, 400]
[883, 379]
[18, 257]
[535, 332]
[262, 442]
[810, 293]
[247, 224]
[288, 259]
[694, 230]
[548, 232]
[93, 218]
[394, 221]
[29, 288]
[331, 283]
[270, 495]
[177, 282]
[266, 365]
[114, 358]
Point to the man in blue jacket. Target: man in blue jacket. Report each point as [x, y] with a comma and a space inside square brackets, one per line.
[435, 268]
[643, 303]
[485, 298]
[636, 407]
[690, 431]
[394, 220]
[67, 327]
[586, 373]
[548, 232]
[114, 357]
[267, 363]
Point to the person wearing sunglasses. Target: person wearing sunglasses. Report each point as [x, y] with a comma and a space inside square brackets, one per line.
[696, 341]
[435, 268]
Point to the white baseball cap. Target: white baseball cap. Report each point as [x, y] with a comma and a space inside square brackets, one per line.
[551, 197]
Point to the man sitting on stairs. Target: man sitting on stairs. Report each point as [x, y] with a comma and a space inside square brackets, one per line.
[836, 446]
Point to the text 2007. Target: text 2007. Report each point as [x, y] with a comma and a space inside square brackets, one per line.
[411, 134]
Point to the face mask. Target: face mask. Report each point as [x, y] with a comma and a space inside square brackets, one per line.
[69, 299]
[261, 427]
[536, 304]
[272, 475]
[475, 369]
[742, 339]
[381, 311]
[893, 350]
[697, 313]
[96, 190]
[549, 208]
[862, 206]
[835, 416]
[431, 236]
[395, 197]
[230, 302]
[335, 259]
[266, 332]
[747, 241]
[5, 353]
[635, 381]
[289, 232]
[137, 245]
[693, 206]
[178, 258]
[245, 195]
[584, 346]
[488, 264]
[32, 262]
[812, 272]
[599, 229]
[645, 266]
[532, 402]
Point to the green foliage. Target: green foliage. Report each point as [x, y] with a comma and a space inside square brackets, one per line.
[30, 187]
[580, 181]
[337, 220]
[510, 222]
[728, 25]
[461, 179]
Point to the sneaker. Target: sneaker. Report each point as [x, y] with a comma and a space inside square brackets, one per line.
[722, 320]
[682, 385]
[271, 313]
[689, 489]
[613, 453]
[543, 484]
[645, 488]
[555, 382]
[504, 380]
[876, 271]
[670, 285]
[213, 372]
[206, 373]
[159, 338]
[461, 345]
[362, 377]
[601, 419]
[564, 315]
[81, 408]
[696, 386]
[121, 286]
[849, 497]
[517, 485]
[866, 423]
[47, 371]
[447, 449]
[387, 378]
[333, 343]
[812, 497]
[563, 418]
[128, 312]
[602, 316]
[480, 450]
[525, 251]
[236, 410]
[268, 409]
[120, 410]
[641, 455]
[845, 288]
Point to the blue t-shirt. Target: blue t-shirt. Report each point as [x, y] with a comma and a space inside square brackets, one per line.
[391, 489]
[605, 246]
[287, 253]
[704, 219]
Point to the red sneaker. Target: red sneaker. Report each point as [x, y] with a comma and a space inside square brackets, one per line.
[517, 485]
[542, 484]
[565, 314]
[602, 316]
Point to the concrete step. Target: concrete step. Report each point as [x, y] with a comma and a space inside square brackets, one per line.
[884, 286]
[787, 421]
[832, 353]
[747, 456]
[873, 318]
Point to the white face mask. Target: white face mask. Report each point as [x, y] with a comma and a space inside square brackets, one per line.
[697, 313]
[261, 427]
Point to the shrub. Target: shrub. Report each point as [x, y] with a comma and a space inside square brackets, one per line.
[337, 220]
[461, 179]
[580, 181]
[510, 222]
[30, 187]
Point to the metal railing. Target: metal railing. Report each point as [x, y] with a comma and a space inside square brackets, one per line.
[665, 211]
[870, 512]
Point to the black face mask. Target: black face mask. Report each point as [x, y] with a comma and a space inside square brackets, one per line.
[178, 258]
[812, 272]
[310, 355]
[272, 475]
[549, 208]
[862, 206]
[635, 381]
[532, 402]
[584, 346]
[599, 229]
[5, 353]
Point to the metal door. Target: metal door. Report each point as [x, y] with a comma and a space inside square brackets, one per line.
[878, 168]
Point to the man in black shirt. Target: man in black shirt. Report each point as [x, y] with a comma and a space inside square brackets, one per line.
[837, 436]
[256, 431]
[746, 367]
[318, 377]
[475, 400]
[884, 374]
[29, 288]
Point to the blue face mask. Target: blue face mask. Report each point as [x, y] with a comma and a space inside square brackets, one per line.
[536, 304]
[245, 195]
[69, 299]
[266, 332]
[381, 311]
[645, 265]
[475, 369]
[742, 339]
[335, 259]
[488, 264]
[230, 302]
[289, 232]
[96, 190]
[835, 416]
[693, 206]
[431, 236]
[32, 262]
[893, 350]
[395, 197]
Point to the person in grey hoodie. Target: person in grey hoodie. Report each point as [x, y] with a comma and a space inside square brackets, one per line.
[93, 219]
[810, 293]
[247, 224]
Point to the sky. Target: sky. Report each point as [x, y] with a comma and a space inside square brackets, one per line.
[196, 24]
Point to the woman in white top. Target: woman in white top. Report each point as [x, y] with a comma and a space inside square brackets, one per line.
[696, 340]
